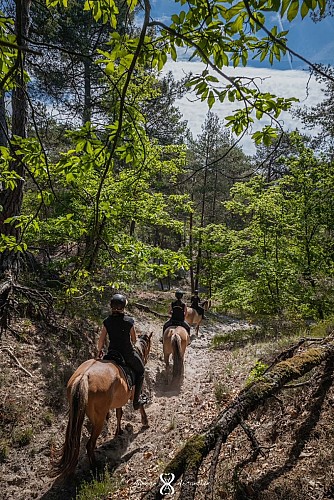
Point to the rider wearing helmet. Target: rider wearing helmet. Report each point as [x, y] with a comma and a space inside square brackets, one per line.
[195, 303]
[178, 311]
[121, 333]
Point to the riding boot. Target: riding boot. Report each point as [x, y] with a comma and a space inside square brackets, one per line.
[137, 401]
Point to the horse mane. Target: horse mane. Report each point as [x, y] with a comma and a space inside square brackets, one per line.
[141, 345]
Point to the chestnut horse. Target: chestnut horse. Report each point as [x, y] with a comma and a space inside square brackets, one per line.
[94, 388]
[175, 341]
[193, 318]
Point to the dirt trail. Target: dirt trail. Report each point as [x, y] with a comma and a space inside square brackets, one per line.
[176, 413]
[138, 457]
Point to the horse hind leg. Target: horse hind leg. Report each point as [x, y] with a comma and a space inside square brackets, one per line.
[97, 427]
[119, 413]
[166, 359]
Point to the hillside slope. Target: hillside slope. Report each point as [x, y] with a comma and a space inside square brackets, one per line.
[295, 430]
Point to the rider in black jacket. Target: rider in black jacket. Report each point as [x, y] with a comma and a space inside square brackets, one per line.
[178, 311]
[122, 336]
[195, 303]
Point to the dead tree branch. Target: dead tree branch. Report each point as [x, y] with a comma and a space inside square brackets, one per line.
[213, 468]
[9, 351]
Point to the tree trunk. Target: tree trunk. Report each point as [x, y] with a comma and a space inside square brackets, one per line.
[199, 251]
[87, 111]
[3, 124]
[191, 249]
[11, 200]
[214, 201]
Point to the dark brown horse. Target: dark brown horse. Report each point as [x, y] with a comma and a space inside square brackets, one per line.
[175, 341]
[193, 318]
[94, 388]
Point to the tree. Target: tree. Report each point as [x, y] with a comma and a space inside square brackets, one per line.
[65, 73]
[218, 34]
[163, 119]
[321, 116]
[11, 197]
[280, 259]
[214, 165]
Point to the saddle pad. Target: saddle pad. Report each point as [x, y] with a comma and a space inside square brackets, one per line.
[128, 374]
[126, 370]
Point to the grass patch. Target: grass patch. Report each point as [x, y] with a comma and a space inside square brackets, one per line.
[271, 329]
[96, 489]
[23, 437]
[237, 338]
[4, 451]
[322, 328]
[221, 393]
[48, 418]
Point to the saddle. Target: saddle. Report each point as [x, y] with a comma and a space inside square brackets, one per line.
[176, 322]
[117, 358]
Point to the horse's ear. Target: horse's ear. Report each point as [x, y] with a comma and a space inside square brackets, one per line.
[150, 335]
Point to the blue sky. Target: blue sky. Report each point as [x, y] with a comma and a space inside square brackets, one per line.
[287, 78]
[314, 41]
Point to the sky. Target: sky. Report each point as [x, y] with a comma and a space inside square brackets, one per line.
[287, 78]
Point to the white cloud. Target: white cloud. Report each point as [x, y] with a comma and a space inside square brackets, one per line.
[288, 83]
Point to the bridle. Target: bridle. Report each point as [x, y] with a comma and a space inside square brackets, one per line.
[144, 348]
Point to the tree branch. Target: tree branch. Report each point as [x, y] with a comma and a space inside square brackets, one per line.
[12, 355]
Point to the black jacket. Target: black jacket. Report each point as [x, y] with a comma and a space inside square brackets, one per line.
[118, 327]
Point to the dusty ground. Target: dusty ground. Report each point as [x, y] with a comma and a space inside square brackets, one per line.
[137, 458]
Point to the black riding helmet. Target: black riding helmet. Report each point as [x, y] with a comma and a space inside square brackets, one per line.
[196, 292]
[178, 294]
[118, 301]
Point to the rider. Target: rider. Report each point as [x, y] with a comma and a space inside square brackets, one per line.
[195, 303]
[122, 337]
[178, 311]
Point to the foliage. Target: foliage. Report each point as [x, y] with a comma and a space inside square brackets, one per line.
[280, 258]
[321, 116]
[107, 200]
[256, 372]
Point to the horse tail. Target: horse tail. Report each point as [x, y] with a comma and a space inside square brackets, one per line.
[177, 356]
[78, 399]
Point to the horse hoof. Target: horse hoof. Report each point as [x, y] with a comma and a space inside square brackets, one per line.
[145, 426]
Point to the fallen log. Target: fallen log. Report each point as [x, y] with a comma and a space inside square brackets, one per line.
[187, 462]
[143, 307]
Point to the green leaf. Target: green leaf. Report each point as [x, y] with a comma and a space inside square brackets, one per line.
[293, 10]
[173, 52]
[304, 10]
[285, 5]
[211, 99]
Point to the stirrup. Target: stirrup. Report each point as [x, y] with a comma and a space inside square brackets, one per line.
[143, 399]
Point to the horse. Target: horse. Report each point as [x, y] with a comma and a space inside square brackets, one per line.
[94, 388]
[193, 318]
[175, 341]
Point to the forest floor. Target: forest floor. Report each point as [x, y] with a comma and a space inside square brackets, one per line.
[295, 431]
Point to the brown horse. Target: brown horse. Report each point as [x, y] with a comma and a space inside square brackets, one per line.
[94, 388]
[193, 318]
[175, 341]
